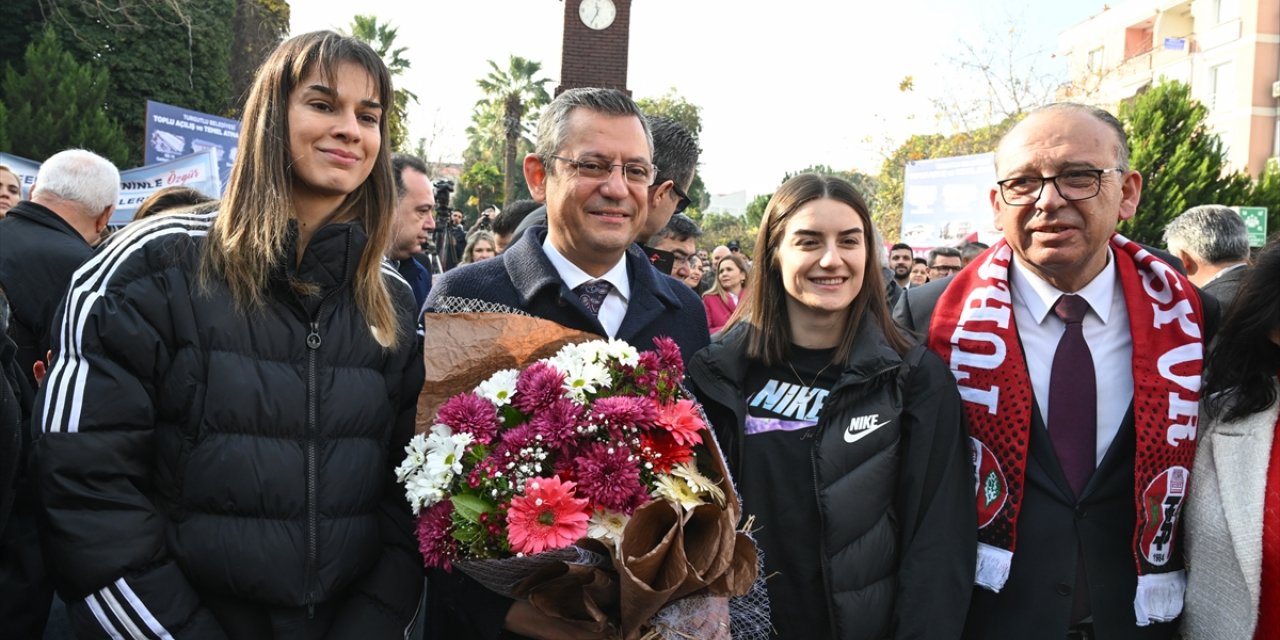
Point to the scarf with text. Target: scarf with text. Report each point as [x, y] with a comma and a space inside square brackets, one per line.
[973, 330]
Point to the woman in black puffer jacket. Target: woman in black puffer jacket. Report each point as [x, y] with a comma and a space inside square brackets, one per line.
[847, 445]
[230, 392]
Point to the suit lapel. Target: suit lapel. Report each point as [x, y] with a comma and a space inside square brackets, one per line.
[650, 295]
[1241, 454]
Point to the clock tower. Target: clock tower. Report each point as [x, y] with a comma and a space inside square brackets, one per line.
[596, 38]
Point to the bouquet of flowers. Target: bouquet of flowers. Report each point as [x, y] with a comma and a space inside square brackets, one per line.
[587, 483]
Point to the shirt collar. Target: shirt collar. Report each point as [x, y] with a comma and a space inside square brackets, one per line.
[1225, 271]
[573, 276]
[1039, 296]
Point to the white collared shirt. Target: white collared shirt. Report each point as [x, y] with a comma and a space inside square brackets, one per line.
[1225, 271]
[614, 307]
[1106, 330]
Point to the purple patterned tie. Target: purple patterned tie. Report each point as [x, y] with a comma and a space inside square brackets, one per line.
[1073, 397]
[592, 294]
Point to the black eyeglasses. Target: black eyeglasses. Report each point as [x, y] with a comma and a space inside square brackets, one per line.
[634, 172]
[946, 268]
[1080, 184]
[684, 198]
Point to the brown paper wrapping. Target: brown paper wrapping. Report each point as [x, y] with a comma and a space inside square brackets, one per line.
[461, 350]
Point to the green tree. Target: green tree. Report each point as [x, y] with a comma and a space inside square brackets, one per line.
[257, 28]
[672, 105]
[382, 37]
[58, 103]
[479, 186]
[520, 93]
[173, 52]
[1266, 193]
[1181, 161]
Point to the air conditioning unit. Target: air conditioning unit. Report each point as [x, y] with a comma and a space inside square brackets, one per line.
[1275, 89]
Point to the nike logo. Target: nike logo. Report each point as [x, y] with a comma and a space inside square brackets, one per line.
[862, 426]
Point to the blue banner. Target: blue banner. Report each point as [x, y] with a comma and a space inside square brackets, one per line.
[173, 132]
[946, 201]
[24, 168]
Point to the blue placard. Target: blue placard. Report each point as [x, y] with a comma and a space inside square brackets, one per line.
[173, 132]
[1175, 44]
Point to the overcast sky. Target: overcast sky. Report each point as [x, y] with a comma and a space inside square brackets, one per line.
[782, 85]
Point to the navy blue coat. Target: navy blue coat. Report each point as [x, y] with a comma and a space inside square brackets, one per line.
[523, 279]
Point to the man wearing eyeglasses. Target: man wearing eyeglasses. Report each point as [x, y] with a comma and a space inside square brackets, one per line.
[1077, 524]
[593, 167]
[943, 261]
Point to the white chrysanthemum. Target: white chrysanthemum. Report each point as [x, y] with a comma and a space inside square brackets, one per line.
[500, 386]
[444, 453]
[676, 490]
[586, 378]
[415, 453]
[701, 484]
[607, 525]
[623, 352]
[424, 489]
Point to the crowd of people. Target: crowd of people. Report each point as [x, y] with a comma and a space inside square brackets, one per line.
[202, 410]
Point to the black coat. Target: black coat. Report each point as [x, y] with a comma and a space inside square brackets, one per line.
[1056, 530]
[1224, 287]
[898, 527]
[38, 253]
[228, 473]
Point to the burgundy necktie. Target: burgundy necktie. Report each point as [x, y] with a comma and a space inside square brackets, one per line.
[592, 294]
[1073, 397]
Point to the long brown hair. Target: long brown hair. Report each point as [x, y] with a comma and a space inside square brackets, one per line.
[249, 234]
[765, 308]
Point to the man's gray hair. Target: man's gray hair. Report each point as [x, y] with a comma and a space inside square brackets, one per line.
[679, 228]
[1101, 115]
[553, 126]
[1210, 232]
[80, 176]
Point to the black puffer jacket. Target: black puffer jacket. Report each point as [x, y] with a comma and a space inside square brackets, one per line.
[898, 528]
[208, 473]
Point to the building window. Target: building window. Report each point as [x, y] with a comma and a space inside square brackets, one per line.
[1093, 62]
[1222, 86]
[1226, 10]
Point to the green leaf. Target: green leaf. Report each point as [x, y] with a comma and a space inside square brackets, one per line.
[470, 507]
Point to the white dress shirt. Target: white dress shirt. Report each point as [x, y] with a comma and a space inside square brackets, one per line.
[614, 307]
[1106, 330]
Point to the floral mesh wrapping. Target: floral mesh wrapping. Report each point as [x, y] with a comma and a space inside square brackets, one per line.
[503, 575]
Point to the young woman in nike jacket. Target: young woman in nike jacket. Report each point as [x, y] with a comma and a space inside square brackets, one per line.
[229, 393]
[847, 444]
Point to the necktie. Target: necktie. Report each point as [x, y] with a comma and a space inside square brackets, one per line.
[592, 294]
[1073, 396]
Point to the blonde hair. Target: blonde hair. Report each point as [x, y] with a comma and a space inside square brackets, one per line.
[249, 235]
[476, 236]
[718, 290]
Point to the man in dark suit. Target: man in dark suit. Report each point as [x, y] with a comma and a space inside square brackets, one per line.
[593, 168]
[1038, 332]
[1213, 243]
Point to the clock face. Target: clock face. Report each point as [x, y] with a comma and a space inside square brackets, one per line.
[597, 14]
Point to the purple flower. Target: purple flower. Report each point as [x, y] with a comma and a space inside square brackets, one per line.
[609, 476]
[558, 423]
[470, 413]
[539, 385]
[620, 413]
[435, 541]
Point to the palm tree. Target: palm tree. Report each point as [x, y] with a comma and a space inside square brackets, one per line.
[382, 37]
[518, 93]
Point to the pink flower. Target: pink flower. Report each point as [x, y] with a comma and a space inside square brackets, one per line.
[470, 413]
[539, 385]
[546, 517]
[558, 422]
[624, 412]
[681, 419]
[609, 476]
[435, 541]
[669, 356]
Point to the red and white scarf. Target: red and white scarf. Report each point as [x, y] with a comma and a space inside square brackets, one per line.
[973, 330]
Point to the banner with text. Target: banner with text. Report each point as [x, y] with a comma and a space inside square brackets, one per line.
[945, 201]
[173, 132]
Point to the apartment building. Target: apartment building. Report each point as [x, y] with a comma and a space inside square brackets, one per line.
[1228, 51]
